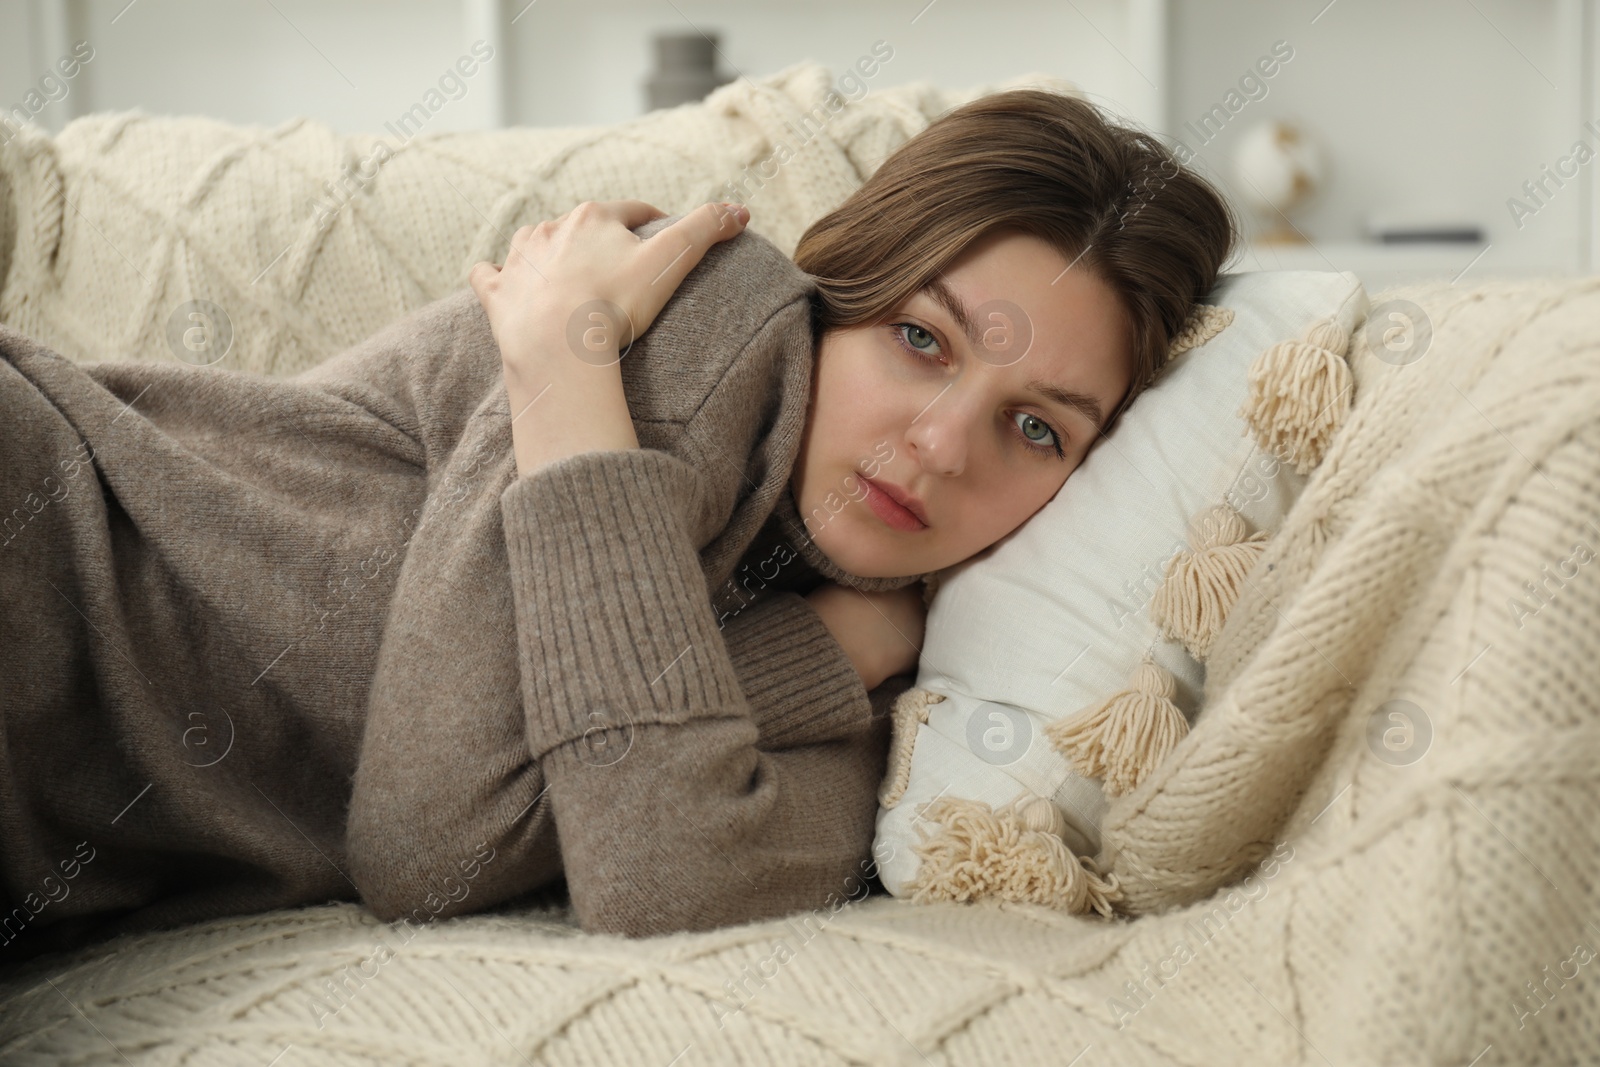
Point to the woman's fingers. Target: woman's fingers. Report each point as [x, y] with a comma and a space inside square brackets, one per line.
[675, 251]
[629, 213]
[590, 254]
[632, 213]
[481, 274]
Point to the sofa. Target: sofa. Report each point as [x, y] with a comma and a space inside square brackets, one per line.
[1435, 902]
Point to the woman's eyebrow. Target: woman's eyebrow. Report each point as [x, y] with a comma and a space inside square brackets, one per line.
[1083, 403]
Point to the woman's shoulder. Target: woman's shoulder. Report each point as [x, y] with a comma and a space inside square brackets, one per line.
[744, 298]
[747, 268]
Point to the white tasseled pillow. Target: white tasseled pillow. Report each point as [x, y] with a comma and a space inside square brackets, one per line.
[1063, 663]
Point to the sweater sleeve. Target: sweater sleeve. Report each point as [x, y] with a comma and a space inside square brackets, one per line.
[669, 813]
[450, 812]
[798, 681]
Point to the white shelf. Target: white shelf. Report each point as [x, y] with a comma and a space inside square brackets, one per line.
[1381, 265]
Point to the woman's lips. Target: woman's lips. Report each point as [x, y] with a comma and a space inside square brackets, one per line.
[889, 511]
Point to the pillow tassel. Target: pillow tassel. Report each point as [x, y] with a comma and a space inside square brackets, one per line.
[1124, 737]
[1202, 583]
[909, 710]
[1040, 814]
[981, 852]
[1299, 395]
[1204, 322]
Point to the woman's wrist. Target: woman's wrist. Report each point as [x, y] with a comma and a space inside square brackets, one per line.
[840, 611]
[585, 411]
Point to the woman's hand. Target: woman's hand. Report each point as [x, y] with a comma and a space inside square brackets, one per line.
[573, 294]
[881, 633]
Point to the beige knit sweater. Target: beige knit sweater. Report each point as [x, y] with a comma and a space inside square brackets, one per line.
[274, 642]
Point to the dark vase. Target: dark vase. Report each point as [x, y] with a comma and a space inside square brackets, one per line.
[685, 71]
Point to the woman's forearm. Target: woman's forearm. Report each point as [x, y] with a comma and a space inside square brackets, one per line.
[553, 419]
[832, 605]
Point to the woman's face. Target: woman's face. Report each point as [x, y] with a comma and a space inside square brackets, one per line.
[944, 411]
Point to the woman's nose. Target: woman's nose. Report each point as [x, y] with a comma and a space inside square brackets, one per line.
[938, 436]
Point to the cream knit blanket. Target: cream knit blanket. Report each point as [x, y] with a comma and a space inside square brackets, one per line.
[1427, 897]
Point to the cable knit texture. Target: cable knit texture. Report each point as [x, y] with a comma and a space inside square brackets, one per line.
[1322, 881]
[311, 241]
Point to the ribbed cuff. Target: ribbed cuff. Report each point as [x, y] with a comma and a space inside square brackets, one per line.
[614, 620]
[801, 685]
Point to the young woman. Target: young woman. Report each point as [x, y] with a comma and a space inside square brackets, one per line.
[598, 571]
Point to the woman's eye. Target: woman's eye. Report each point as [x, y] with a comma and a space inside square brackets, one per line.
[915, 338]
[1039, 426]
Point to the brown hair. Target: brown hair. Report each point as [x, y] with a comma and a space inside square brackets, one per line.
[1109, 198]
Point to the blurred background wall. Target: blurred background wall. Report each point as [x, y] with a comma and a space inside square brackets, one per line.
[1474, 119]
